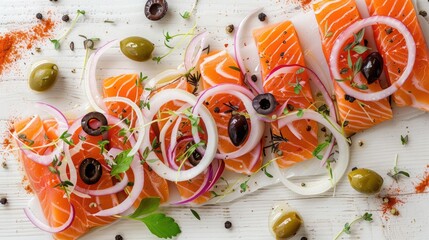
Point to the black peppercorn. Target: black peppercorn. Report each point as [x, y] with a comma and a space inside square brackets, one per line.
[216, 110]
[228, 224]
[3, 201]
[254, 78]
[72, 46]
[39, 16]
[303, 238]
[118, 237]
[65, 18]
[229, 28]
[262, 17]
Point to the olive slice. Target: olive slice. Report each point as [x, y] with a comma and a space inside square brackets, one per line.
[90, 171]
[264, 103]
[238, 129]
[195, 157]
[92, 123]
[155, 9]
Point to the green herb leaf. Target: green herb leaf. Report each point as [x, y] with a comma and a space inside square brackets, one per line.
[161, 225]
[56, 43]
[196, 215]
[82, 138]
[349, 60]
[367, 217]
[123, 162]
[185, 15]
[214, 194]
[266, 172]
[235, 68]
[244, 185]
[344, 70]
[146, 206]
[81, 12]
[300, 70]
[102, 144]
[65, 137]
[359, 36]
[357, 66]
[360, 49]
[297, 88]
[404, 140]
[360, 86]
[403, 173]
[319, 149]
[300, 113]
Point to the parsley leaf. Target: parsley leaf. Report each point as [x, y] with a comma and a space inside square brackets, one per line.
[196, 215]
[146, 206]
[123, 162]
[161, 225]
[404, 140]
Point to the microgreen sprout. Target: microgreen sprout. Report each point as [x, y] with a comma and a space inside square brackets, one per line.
[395, 173]
[57, 41]
[366, 217]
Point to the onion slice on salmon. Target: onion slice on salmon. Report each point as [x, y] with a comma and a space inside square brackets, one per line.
[44, 227]
[62, 127]
[164, 171]
[194, 50]
[323, 184]
[256, 129]
[355, 27]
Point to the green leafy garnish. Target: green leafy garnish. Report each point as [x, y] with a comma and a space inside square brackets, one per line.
[235, 68]
[168, 37]
[65, 137]
[404, 140]
[123, 162]
[300, 113]
[82, 138]
[266, 172]
[360, 49]
[300, 70]
[328, 34]
[187, 14]
[141, 79]
[25, 140]
[319, 149]
[102, 144]
[57, 42]
[297, 87]
[64, 185]
[360, 86]
[244, 186]
[346, 229]
[158, 224]
[196, 215]
[395, 173]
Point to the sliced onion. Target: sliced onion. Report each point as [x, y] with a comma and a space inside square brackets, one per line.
[208, 176]
[340, 167]
[62, 127]
[94, 97]
[140, 121]
[218, 168]
[44, 227]
[173, 149]
[107, 191]
[194, 50]
[138, 173]
[355, 27]
[249, 82]
[159, 167]
[257, 127]
[164, 77]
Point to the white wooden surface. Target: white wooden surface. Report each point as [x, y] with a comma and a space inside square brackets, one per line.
[324, 215]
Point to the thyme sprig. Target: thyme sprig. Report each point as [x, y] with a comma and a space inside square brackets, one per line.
[346, 229]
[187, 14]
[395, 173]
[57, 41]
[64, 185]
[168, 37]
[275, 142]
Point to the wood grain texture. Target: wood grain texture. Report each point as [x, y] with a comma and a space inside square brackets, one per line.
[324, 215]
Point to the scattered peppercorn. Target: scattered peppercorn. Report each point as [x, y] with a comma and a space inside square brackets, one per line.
[65, 18]
[228, 224]
[73, 70]
[254, 78]
[423, 13]
[39, 16]
[72, 46]
[323, 129]
[303, 238]
[4, 165]
[303, 184]
[308, 128]
[118, 237]
[389, 30]
[3, 201]
[216, 110]
[262, 17]
[229, 28]
[360, 143]
[354, 168]
[349, 98]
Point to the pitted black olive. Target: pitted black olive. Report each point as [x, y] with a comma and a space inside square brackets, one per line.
[372, 67]
[264, 103]
[238, 129]
[94, 118]
[195, 157]
[155, 9]
[90, 171]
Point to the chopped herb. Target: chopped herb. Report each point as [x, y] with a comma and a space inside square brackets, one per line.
[358, 66]
[109, 21]
[344, 70]
[395, 173]
[65, 137]
[187, 14]
[158, 224]
[102, 144]
[297, 87]
[64, 185]
[320, 148]
[300, 113]
[196, 215]
[167, 38]
[123, 162]
[366, 217]
[266, 172]
[328, 34]
[360, 49]
[215, 194]
[141, 79]
[404, 140]
[300, 70]
[360, 86]
[193, 79]
[82, 138]
[275, 141]
[25, 140]
[244, 186]
[57, 41]
[235, 68]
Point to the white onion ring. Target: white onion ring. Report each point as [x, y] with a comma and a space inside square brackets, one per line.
[343, 37]
[140, 120]
[192, 58]
[44, 227]
[320, 186]
[166, 76]
[159, 167]
[107, 191]
[94, 97]
[257, 127]
[138, 172]
[62, 127]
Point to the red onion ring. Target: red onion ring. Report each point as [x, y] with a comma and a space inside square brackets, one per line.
[195, 45]
[94, 97]
[343, 37]
[44, 227]
[257, 127]
[172, 152]
[203, 188]
[62, 127]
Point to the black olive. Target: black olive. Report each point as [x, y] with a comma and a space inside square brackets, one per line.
[88, 119]
[264, 103]
[238, 129]
[372, 67]
[155, 9]
[90, 171]
[195, 157]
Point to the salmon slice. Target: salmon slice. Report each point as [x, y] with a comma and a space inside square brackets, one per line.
[277, 45]
[125, 85]
[333, 17]
[55, 207]
[391, 45]
[218, 68]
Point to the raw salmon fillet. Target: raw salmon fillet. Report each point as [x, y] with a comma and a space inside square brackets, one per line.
[217, 68]
[278, 45]
[391, 45]
[333, 17]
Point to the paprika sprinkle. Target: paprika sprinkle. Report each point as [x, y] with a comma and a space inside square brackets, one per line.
[424, 183]
[13, 43]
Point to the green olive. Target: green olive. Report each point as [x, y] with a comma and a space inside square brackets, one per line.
[365, 181]
[137, 48]
[287, 225]
[43, 76]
